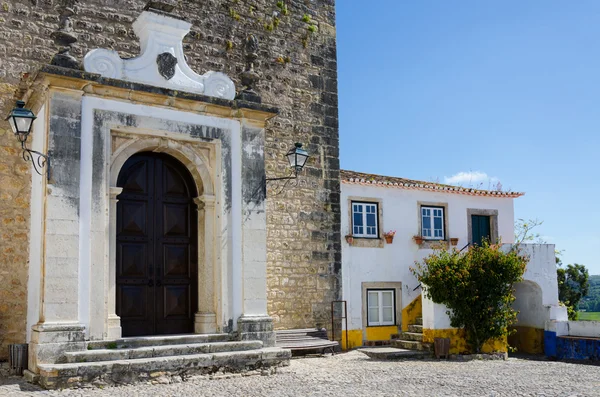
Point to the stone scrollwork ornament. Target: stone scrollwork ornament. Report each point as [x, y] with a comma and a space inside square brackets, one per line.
[162, 62]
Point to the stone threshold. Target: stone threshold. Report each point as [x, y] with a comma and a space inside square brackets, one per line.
[159, 340]
[126, 353]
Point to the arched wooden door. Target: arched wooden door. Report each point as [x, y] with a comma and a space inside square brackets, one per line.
[157, 244]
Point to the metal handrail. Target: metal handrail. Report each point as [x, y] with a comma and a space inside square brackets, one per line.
[463, 248]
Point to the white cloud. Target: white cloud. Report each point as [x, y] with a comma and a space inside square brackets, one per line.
[471, 179]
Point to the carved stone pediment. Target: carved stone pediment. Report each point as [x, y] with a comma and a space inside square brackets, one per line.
[162, 62]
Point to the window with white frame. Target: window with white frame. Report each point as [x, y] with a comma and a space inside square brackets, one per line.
[432, 223]
[364, 219]
[381, 309]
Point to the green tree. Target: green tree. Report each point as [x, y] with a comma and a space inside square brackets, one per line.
[573, 284]
[477, 287]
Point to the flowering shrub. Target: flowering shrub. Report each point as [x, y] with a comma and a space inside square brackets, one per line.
[391, 233]
[477, 287]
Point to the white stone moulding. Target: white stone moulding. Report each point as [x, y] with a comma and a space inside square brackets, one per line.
[159, 34]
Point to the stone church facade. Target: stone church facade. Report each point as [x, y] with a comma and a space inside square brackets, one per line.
[297, 67]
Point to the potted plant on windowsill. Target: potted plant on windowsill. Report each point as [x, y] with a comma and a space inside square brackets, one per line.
[349, 239]
[389, 236]
[418, 239]
[454, 240]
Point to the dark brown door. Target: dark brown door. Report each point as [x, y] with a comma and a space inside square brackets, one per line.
[156, 247]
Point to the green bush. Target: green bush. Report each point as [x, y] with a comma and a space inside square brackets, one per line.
[476, 286]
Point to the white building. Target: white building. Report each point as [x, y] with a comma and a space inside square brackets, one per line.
[383, 297]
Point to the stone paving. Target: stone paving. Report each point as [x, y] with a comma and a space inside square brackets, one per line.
[354, 374]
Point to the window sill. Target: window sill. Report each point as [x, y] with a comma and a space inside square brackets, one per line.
[365, 242]
[433, 244]
[379, 326]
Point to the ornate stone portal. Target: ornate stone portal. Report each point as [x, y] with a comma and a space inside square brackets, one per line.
[91, 124]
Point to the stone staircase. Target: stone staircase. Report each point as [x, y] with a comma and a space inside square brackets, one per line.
[159, 359]
[413, 339]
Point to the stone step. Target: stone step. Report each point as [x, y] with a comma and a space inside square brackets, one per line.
[159, 340]
[159, 351]
[411, 345]
[392, 353]
[415, 328]
[415, 336]
[162, 369]
[419, 321]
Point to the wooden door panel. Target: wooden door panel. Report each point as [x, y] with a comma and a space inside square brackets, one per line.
[176, 260]
[132, 260]
[176, 301]
[134, 217]
[133, 301]
[138, 179]
[176, 220]
[173, 183]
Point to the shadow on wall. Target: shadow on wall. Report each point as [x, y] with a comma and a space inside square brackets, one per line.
[531, 318]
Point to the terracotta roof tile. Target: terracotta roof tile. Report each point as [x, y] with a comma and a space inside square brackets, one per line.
[360, 178]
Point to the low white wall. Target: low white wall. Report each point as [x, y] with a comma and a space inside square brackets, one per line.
[585, 329]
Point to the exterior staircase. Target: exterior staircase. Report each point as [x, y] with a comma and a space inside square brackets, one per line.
[159, 359]
[413, 339]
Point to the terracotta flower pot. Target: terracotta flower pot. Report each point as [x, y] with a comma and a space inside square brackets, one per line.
[349, 239]
[389, 239]
[418, 240]
[454, 241]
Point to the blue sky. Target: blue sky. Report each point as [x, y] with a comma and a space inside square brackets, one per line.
[504, 91]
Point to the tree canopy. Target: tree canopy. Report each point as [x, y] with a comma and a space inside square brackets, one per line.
[573, 285]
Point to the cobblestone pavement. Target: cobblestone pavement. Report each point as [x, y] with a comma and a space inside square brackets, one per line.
[353, 374]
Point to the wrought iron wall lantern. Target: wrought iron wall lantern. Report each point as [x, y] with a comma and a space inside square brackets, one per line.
[297, 158]
[21, 121]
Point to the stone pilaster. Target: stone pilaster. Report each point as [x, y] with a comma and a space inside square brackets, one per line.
[113, 321]
[205, 320]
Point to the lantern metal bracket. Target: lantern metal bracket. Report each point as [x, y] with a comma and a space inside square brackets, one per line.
[284, 178]
[41, 160]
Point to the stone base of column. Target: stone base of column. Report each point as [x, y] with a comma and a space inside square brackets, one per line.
[257, 328]
[114, 327]
[205, 323]
[50, 340]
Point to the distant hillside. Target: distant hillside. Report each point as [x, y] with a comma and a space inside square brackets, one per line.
[591, 302]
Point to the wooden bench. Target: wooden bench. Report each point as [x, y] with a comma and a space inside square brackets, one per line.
[305, 341]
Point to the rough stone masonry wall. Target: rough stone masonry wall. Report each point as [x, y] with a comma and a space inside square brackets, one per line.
[299, 75]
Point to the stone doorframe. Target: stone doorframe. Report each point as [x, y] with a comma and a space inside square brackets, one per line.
[200, 158]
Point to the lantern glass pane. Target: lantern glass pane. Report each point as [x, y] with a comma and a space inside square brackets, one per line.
[292, 159]
[11, 121]
[301, 158]
[23, 124]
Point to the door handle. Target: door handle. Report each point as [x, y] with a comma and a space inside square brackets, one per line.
[150, 283]
[158, 283]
